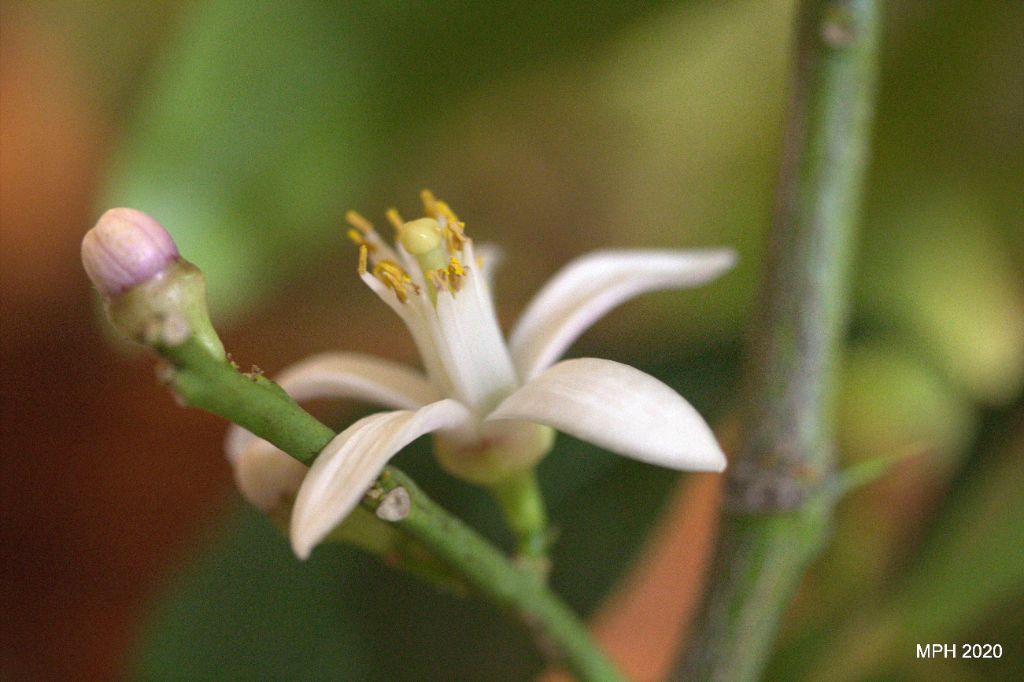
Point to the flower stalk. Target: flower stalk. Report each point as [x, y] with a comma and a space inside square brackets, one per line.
[525, 513]
[777, 510]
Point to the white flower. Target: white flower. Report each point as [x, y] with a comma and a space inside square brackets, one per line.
[490, 405]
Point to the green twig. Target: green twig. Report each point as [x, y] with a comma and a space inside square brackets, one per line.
[263, 408]
[555, 628]
[774, 518]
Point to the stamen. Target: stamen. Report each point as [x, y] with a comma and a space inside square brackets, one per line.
[429, 203]
[395, 219]
[395, 278]
[446, 211]
[359, 222]
[438, 278]
[454, 235]
[363, 255]
[359, 239]
[449, 277]
[452, 228]
[456, 273]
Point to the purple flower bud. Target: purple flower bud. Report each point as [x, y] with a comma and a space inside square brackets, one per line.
[125, 249]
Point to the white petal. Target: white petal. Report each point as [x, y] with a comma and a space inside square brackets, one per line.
[344, 470]
[420, 319]
[346, 375]
[359, 377]
[619, 408]
[470, 343]
[266, 476]
[590, 286]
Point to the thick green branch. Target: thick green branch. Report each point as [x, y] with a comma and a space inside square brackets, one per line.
[774, 517]
[265, 409]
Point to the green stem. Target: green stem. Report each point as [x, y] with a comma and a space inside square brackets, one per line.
[265, 409]
[521, 501]
[555, 627]
[251, 401]
[775, 515]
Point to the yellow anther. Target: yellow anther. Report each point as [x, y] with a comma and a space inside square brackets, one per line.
[454, 236]
[420, 237]
[364, 253]
[445, 210]
[456, 274]
[439, 278]
[395, 278]
[359, 222]
[429, 203]
[359, 238]
[455, 267]
[449, 277]
[395, 219]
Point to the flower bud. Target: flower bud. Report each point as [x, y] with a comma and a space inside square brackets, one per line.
[125, 249]
[151, 294]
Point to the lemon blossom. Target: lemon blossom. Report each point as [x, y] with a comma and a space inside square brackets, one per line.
[491, 405]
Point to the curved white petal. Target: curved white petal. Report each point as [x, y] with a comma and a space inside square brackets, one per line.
[346, 375]
[344, 470]
[420, 319]
[619, 408]
[266, 476]
[478, 361]
[360, 377]
[590, 286]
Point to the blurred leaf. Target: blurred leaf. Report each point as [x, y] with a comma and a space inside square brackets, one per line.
[892, 402]
[973, 558]
[247, 140]
[264, 120]
[864, 473]
[249, 610]
[943, 275]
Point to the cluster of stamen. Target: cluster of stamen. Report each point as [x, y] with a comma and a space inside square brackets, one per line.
[449, 277]
[436, 255]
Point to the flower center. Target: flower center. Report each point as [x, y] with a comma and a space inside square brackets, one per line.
[453, 325]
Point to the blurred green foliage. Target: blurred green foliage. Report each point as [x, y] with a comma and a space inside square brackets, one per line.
[560, 127]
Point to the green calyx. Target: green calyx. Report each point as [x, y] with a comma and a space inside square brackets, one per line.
[508, 448]
[167, 310]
